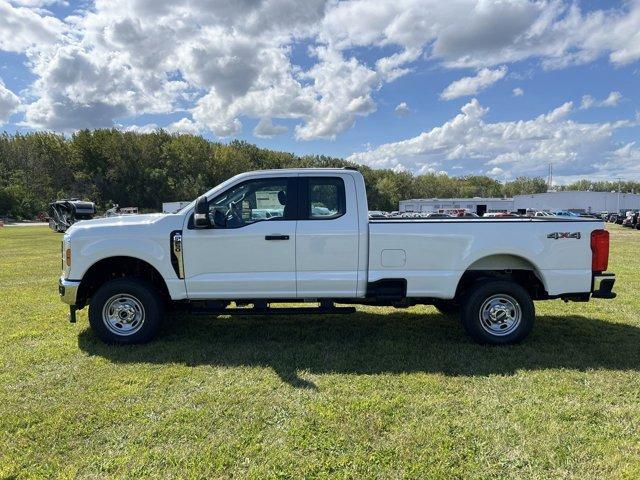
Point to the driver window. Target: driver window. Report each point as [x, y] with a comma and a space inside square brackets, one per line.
[250, 202]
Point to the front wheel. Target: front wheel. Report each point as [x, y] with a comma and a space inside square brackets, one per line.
[125, 310]
[497, 312]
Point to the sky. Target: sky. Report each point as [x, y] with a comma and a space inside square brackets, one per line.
[500, 88]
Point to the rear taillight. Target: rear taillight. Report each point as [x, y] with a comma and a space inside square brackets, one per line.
[599, 250]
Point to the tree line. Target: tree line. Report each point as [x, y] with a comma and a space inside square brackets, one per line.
[110, 166]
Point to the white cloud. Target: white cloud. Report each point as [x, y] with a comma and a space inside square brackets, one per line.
[22, 28]
[520, 147]
[38, 3]
[402, 109]
[184, 125]
[483, 34]
[612, 100]
[471, 85]
[9, 103]
[222, 61]
[587, 102]
[518, 92]
[266, 129]
[147, 128]
[78, 88]
[344, 87]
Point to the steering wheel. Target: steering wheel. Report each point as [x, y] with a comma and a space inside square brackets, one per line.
[235, 212]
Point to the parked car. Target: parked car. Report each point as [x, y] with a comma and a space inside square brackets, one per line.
[437, 215]
[542, 213]
[377, 214]
[501, 215]
[565, 213]
[214, 257]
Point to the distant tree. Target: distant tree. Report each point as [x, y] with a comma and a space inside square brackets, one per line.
[145, 169]
[524, 186]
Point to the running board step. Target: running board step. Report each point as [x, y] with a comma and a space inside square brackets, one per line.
[274, 311]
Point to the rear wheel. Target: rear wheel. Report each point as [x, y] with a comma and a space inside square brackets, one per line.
[497, 312]
[125, 310]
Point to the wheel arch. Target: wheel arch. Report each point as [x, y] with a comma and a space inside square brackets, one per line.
[110, 268]
[503, 266]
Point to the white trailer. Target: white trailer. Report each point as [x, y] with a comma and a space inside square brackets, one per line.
[173, 207]
[578, 201]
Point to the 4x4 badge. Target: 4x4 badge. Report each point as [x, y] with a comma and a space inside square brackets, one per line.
[559, 235]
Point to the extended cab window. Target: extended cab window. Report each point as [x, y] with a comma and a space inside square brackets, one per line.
[325, 198]
[254, 201]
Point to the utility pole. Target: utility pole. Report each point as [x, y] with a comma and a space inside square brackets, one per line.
[619, 188]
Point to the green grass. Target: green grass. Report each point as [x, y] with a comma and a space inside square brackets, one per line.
[380, 394]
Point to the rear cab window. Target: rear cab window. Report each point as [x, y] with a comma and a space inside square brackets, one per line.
[322, 198]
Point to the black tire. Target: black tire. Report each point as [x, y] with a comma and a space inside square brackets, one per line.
[502, 302]
[447, 307]
[132, 298]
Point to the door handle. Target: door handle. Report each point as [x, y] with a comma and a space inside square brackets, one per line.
[276, 237]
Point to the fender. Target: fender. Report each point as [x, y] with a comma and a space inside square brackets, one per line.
[521, 254]
[148, 250]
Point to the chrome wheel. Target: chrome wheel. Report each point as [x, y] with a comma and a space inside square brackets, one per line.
[123, 314]
[500, 315]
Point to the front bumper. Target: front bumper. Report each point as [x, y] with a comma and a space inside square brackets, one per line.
[602, 285]
[68, 290]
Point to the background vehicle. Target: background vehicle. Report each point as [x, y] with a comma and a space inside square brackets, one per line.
[630, 220]
[501, 215]
[64, 213]
[565, 213]
[321, 247]
[542, 213]
[377, 214]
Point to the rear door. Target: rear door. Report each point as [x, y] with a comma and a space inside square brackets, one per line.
[327, 237]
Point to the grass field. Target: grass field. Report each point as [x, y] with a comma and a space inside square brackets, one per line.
[379, 394]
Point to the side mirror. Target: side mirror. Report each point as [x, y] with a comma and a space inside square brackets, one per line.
[201, 213]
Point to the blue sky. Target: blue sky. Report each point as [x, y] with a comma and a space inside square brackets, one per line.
[468, 87]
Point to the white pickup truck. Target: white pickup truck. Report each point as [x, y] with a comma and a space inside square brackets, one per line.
[304, 236]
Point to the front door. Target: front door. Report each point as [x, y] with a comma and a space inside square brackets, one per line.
[251, 251]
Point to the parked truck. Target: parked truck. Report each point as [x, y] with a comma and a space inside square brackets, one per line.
[304, 236]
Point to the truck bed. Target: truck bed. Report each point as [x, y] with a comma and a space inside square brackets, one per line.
[433, 254]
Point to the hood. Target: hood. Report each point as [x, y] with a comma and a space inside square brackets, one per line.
[122, 220]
